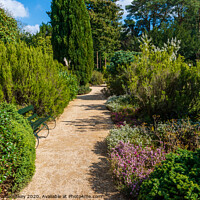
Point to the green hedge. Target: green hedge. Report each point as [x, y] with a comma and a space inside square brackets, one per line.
[31, 76]
[17, 150]
[177, 178]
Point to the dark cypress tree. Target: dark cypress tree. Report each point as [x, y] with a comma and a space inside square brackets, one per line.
[71, 36]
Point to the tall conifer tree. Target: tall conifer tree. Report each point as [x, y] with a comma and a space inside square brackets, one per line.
[105, 16]
[71, 36]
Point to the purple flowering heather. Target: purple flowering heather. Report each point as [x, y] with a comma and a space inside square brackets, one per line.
[132, 164]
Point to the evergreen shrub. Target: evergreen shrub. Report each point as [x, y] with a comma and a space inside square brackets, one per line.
[17, 150]
[84, 89]
[71, 82]
[162, 82]
[31, 76]
[9, 30]
[117, 72]
[177, 178]
[97, 78]
[117, 103]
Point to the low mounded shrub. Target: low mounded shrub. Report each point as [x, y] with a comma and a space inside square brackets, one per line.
[176, 134]
[97, 78]
[117, 103]
[132, 164]
[17, 150]
[136, 135]
[84, 89]
[123, 110]
[177, 178]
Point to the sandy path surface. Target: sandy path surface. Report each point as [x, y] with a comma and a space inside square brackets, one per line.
[72, 160]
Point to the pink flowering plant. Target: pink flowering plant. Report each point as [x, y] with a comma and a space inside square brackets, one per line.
[131, 164]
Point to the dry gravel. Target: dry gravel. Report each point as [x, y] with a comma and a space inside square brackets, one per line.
[72, 160]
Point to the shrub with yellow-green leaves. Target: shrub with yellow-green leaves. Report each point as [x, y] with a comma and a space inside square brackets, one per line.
[162, 82]
[31, 76]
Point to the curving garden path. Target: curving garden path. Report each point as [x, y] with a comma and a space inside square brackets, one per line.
[72, 160]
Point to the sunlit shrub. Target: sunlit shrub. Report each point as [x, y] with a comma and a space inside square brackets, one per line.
[177, 178]
[132, 164]
[17, 150]
[31, 76]
[135, 135]
[162, 82]
[84, 89]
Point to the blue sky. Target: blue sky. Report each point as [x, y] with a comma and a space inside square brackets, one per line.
[33, 12]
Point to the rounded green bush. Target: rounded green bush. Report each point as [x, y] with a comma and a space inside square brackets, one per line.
[17, 150]
[176, 178]
[97, 78]
[84, 89]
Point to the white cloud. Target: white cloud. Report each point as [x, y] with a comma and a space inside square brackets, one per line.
[124, 3]
[15, 8]
[32, 29]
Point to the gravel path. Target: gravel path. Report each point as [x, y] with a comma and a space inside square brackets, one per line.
[71, 163]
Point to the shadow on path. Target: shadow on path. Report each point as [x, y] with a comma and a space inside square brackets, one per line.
[101, 177]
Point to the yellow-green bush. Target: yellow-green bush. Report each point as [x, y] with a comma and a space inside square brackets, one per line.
[31, 76]
[17, 150]
[97, 78]
[163, 83]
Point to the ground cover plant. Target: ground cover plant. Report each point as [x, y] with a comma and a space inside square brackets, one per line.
[177, 178]
[17, 150]
[123, 110]
[131, 164]
[137, 135]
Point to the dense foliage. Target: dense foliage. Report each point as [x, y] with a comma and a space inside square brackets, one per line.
[97, 78]
[17, 150]
[31, 76]
[131, 164]
[164, 20]
[166, 137]
[117, 75]
[72, 37]
[162, 82]
[105, 22]
[8, 27]
[84, 89]
[177, 178]
[136, 135]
